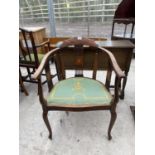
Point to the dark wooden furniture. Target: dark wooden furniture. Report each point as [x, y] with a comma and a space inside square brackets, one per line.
[124, 15]
[29, 56]
[80, 93]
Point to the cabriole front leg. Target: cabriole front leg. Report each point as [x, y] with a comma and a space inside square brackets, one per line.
[112, 121]
[45, 118]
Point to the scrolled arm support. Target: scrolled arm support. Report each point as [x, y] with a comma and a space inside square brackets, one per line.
[43, 63]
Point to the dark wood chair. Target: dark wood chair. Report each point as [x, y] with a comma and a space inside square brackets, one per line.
[126, 31]
[30, 54]
[79, 93]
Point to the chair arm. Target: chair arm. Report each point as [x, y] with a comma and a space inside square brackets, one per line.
[43, 63]
[114, 63]
[43, 43]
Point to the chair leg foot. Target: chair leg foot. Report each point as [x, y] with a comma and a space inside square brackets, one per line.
[45, 118]
[109, 137]
[50, 137]
[112, 121]
[121, 95]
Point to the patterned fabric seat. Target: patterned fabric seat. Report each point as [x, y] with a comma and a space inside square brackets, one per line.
[79, 92]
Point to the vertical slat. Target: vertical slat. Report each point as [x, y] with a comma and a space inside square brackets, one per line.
[21, 51]
[57, 65]
[132, 30]
[95, 65]
[108, 77]
[125, 30]
[40, 92]
[112, 33]
[61, 63]
[27, 47]
[79, 61]
[48, 76]
[34, 50]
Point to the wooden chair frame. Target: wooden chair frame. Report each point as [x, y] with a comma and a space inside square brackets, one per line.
[78, 45]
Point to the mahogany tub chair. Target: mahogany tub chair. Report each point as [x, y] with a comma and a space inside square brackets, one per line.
[79, 93]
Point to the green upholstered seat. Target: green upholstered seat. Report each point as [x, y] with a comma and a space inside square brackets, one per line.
[40, 57]
[79, 91]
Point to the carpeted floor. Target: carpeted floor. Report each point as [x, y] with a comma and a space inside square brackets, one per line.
[82, 133]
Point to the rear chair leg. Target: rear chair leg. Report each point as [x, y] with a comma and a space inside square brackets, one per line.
[123, 88]
[112, 121]
[45, 118]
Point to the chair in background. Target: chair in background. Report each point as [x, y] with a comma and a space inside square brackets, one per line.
[79, 93]
[121, 33]
[126, 31]
[31, 55]
[124, 15]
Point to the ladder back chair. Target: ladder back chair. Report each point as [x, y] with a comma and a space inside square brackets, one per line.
[30, 54]
[125, 32]
[79, 93]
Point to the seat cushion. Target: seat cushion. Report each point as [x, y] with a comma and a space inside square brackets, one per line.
[40, 57]
[78, 92]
